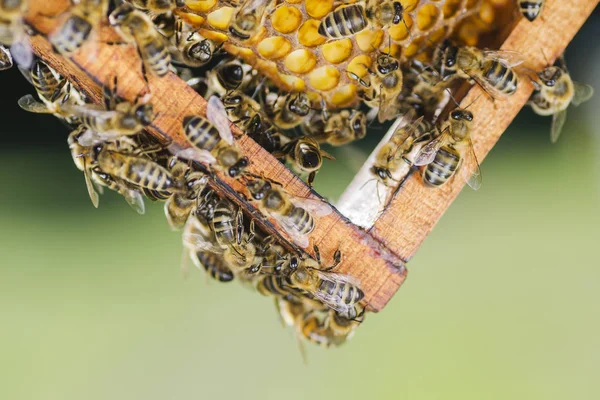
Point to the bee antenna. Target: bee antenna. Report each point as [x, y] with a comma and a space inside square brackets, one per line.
[545, 58]
[452, 97]
[476, 98]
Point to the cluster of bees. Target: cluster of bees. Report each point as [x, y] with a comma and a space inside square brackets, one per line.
[108, 142]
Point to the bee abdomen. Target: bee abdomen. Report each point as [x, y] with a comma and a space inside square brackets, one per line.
[343, 22]
[442, 168]
[146, 174]
[44, 80]
[214, 266]
[302, 220]
[501, 77]
[158, 57]
[223, 224]
[201, 133]
[71, 36]
[531, 9]
[272, 285]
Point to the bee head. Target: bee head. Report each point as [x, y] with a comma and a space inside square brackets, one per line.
[382, 174]
[120, 14]
[236, 169]
[259, 188]
[461, 114]
[299, 105]
[144, 114]
[359, 124]
[398, 13]
[550, 75]
[386, 64]
[233, 72]
[201, 51]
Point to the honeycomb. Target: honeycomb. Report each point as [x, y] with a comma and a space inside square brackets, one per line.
[288, 49]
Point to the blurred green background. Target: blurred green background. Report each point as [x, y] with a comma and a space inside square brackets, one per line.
[502, 300]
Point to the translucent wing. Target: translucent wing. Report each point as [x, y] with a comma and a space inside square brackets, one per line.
[507, 57]
[22, 53]
[582, 93]
[135, 200]
[333, 301]
[558, 121]
[28, 103]
[428, 152]
[202, 156]
[216, 113]
[474, 181]
[314, 206]
[298, 238]
[90, 186]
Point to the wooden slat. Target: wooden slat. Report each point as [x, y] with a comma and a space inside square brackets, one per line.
[415, 209]
[379, 270]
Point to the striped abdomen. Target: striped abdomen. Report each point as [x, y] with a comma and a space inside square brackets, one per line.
[341, 293]
[45, 82]
[71, 35]
[156, 56]
[315, 332]
[442, 168]
[531, 8]
[147, 174]
[201, 133]
[223, 224]
[274, 285]
[343, 22]
[214, 266]
[500, 77]
[302, 221]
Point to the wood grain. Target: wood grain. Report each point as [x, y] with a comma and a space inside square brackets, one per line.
[379, 270]
[415, 209]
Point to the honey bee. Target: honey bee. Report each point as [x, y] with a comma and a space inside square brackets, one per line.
[248, 18]
[337, 128]
[190, 47]
[444, 155]
[13, 33]
[351, 19]
[391, 155]
[6, 60]
[293, 214]
[179, 205]
[154, 7]
[137, 27]
[531, 8]
[214, 265]
[212, 141]
[553, 94]
[290, 111]
[305, 156]
[79, 26]
[133, 197]
[227, 77]
[492, 70]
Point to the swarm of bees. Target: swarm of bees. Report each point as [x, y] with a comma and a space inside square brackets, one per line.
[109, 144]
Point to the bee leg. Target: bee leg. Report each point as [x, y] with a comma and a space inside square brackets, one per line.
[252, 231]
[317, 254]
[311, 178]
[239, 226]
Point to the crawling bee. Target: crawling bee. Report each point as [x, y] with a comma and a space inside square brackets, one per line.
[248, 18]
[337, 128]
[293, 214]
[394, 153]
[214, 265]
[190, 48]
[155, 7]
[492, 70]
[290, 111]
[137, 27]
[444, 155]
[305, 156]
[179, 205]
[554, 92]
[351, 19]
[79, 26]
[531, 9]
[212, 141]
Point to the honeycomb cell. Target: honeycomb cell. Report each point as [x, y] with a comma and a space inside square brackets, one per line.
[201, 6]
[337, 51]
[438, 35]
[344, 96]
[300, 61]
[399, 32]
[293, 82]
[294, 1]
[318, 8]
[308, 34]
[487, 13]
[274, 47]
[286, 19]
[212, 35]
[410, 5]
[427, 17]
[324, 78]
[451, 7]
[359, 66]
[369, 40]
[192, 19]
[468, 33]
[220, 18]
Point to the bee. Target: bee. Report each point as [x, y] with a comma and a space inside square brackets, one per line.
[190, 47]
[212, 141]
[214, 265]
[553, 94]
[116, 118]
[14, 32]
[392, 154]
[305, 156]
[337, 128]
[248, 18]
[137, 27]
[155, 7]
[442, 155]
[384, 85]
[6, 61]
[492, 70]
[289, 111]
[79, 26]
[351, 19]
[531, 8]
[179, 205]
[133, 196]
[293, 214]
[247, 115]
[227, 77]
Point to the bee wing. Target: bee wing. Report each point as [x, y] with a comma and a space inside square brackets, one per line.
[558, 121]
[216, 113]
[314, 206]
[202, 156]
[22, 53]
[135, 200]
[90, 185]
[475, 179]
[428, 152]
[509, 58]
[582, 93]
[30, 104]
[298, 238]
[330, 300]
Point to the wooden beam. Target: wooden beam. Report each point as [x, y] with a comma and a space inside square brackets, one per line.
[379, 271]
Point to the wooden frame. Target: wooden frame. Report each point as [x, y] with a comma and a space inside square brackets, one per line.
[375, 256]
